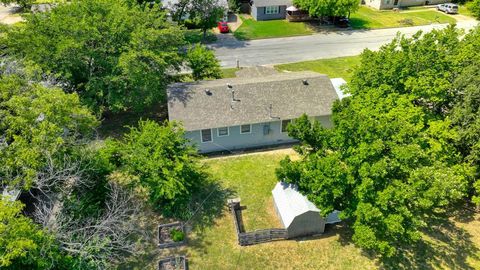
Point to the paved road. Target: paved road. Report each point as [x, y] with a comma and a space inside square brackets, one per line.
[318, 46]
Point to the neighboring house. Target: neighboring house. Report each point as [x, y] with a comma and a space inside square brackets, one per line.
[298, 215]
[389, 4]
[262, 10]
[249, 111]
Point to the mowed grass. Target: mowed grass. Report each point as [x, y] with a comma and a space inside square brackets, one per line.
[463, 10]
[252, 178]
[341, 67]
[252, 29]
[448, 244]
[368, 18]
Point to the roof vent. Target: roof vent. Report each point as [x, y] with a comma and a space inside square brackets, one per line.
[208, 92]
[305, 82]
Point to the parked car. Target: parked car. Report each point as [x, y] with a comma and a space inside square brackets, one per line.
[448, 8]
[223, 27]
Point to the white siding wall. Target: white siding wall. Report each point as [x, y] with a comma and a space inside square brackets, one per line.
[257, 137]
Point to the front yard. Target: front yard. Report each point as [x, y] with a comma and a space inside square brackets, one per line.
[364, 18]
[368, 18]
[252, 29]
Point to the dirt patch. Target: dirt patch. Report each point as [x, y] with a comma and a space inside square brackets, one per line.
[278, 151]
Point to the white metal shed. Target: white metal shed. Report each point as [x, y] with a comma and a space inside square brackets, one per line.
[298, 215]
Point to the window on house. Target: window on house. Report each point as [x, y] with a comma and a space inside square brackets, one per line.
[272, 10]
[285, 125]
[245, 129]
[206, 135]
[223, 131]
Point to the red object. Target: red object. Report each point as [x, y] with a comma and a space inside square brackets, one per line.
[223, 27]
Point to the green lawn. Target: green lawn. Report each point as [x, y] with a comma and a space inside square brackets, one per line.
[463, 10]
[252, 178]
[251, 29]
[341, 67]
[449, 244]
[229, 72]
[367, 18]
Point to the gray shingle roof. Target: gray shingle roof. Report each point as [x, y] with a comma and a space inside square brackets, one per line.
[266, 3]
[285, 93]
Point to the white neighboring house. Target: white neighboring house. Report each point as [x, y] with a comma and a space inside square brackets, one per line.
[299, 216]
[389, 4]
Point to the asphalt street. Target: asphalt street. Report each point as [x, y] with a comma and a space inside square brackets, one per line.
[317, 46]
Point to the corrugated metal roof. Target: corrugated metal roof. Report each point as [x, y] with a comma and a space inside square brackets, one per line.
[290, 203]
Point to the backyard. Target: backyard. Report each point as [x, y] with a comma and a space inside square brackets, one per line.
[252, 178]
[447, 244]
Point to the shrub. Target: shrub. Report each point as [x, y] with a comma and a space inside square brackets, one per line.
[177, 235]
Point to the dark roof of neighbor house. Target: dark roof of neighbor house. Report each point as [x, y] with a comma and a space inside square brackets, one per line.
[208, 104]
[266, 3]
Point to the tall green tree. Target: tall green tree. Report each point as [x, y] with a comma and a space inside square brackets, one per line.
[321, 8]
[116, 55]
[36, 122]
[203, 63]
[205, 14]
[24, 245]
[160, 161]
[474, 7]
[392, 159]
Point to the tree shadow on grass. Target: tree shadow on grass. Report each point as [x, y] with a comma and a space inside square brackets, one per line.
[444, 245]
[207, 205]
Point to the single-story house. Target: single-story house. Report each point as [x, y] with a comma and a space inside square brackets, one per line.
[389, 4]
[262, 10]
[249, 112]
[299, 216]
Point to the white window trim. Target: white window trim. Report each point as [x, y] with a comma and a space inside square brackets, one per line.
[246, 132]
[281, 124]
[218, 132]
[201, 136]
[269, 10]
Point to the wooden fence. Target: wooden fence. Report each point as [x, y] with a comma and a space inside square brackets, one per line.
[261, 236]
[255, 237]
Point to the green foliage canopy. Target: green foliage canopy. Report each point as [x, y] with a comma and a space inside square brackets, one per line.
[160, 161]
[203, 63]
[37, 122]
[24, 245]
[115, 54]
[474, 7]
[319, 8]
[393, 157]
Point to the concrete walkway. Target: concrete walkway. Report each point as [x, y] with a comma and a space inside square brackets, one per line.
[9, 14]
[318, 46]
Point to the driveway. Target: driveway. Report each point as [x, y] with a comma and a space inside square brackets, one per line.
[10, 14]
[318, 46]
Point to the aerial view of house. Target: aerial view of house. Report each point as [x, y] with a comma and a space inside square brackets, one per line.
[239, 135]
[253, 112]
